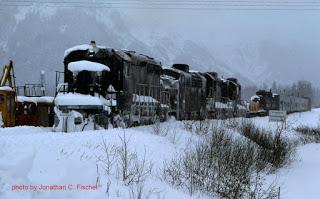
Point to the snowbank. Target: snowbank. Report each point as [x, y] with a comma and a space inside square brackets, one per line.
[36, 156]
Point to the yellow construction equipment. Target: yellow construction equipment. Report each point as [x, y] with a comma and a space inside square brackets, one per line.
[7, 96]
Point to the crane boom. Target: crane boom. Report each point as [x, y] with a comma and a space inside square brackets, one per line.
[7, 76]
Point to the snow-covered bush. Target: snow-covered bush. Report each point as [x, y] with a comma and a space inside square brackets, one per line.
[161, 129]
[309, 134]
[274, 148]
[125, 165]
[200, 127]
[219, 166]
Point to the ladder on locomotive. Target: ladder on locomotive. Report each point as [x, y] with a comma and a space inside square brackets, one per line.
[148, 96]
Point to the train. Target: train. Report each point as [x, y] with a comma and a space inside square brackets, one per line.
[103, 86]
[264, 101]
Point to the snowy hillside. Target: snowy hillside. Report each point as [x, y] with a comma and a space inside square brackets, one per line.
[43, 49]
[86, 164]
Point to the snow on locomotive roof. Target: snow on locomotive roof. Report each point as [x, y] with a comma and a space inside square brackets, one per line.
[6, 88]
[138, 56]
[123, 55]
[255, 97]
[211, 76]
[81, 47]
[77, 99]
[87, 65]
[178, 71]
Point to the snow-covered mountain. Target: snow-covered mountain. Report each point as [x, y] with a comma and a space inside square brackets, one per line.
[35, 38]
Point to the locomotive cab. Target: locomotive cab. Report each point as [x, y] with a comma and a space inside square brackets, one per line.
[81, 103]
[86, 76]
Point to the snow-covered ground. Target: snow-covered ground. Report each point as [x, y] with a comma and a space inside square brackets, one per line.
[36, 156]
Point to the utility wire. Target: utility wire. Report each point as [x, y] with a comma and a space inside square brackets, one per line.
[173, 3]
[176, 1]
[190, 5]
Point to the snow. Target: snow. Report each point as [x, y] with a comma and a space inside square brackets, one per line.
[111, 88]
[37, 156]
[26, 99]
[164, 106]
[255, 97]
[81, 47]
[223, 105]
[1, 120]
[70, 99]
[142, 98]
[43, 99]
[6, 88]
[34, 156]
[87, 65]
[302, 180]
[241, 107]
[111, 102]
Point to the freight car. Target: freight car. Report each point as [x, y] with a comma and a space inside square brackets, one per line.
[264, 101]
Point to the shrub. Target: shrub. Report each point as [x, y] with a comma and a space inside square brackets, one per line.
[273, 147]
[310, 134]
[219, 166]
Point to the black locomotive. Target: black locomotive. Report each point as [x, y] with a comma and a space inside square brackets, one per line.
[264, 101]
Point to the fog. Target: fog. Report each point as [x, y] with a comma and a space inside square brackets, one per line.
[257, 46]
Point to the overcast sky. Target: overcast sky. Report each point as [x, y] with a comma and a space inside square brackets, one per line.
[295, 34]
[285, 43]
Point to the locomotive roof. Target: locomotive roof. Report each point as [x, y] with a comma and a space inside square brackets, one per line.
[129, 56]
[81, 47]
[137, 57]
[181, 72]
[123, 55]
[209, 75]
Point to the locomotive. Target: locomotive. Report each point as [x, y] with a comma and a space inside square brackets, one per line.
[196, 95]
[264, 101]
[104, 86]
